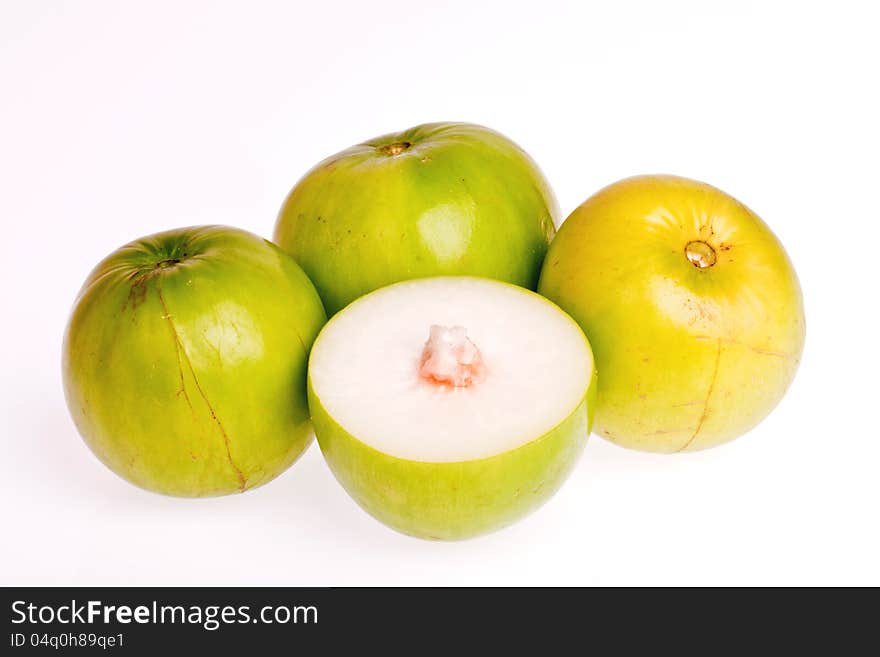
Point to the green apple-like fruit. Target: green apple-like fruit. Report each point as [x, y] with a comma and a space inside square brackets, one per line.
[185, 361]
[691, 305]
[438, 199]
[451, 406]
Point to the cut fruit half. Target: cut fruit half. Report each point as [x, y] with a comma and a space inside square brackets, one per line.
[448, 407]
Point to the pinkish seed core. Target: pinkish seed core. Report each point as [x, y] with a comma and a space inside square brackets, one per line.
[450, 358]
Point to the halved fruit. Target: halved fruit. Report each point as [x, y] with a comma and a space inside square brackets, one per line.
[449, 407]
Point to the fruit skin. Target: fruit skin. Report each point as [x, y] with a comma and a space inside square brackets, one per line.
[460, 199]
[455, 500]
[687, 357]
[184, 361]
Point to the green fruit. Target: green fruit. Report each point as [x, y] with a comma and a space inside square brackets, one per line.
[691, 305]
[463, 433]
[185, 361]
[438, 199]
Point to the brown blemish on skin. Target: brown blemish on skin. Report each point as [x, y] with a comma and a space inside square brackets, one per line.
[738, 343]
[183, 356]
[136, 294]
[706, 401]
[765, 352]
[707, 230]
[666, 432]
[166, 316]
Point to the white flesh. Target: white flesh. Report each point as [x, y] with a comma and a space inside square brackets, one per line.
[365, 369]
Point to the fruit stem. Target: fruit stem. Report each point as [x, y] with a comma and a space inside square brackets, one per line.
[396, 148]
[700, 254]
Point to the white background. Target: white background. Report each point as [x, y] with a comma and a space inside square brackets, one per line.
[119, 119]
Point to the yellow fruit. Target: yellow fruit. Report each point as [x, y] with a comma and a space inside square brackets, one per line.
[692, 307]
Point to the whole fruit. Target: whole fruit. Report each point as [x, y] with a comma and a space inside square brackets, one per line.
[449, 407]
[185, 361]
[437, 199]
[691, 305]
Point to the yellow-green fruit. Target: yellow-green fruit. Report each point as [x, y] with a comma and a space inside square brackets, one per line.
[463, 432]
[185, 361]
[692, 307]
[437, 199]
